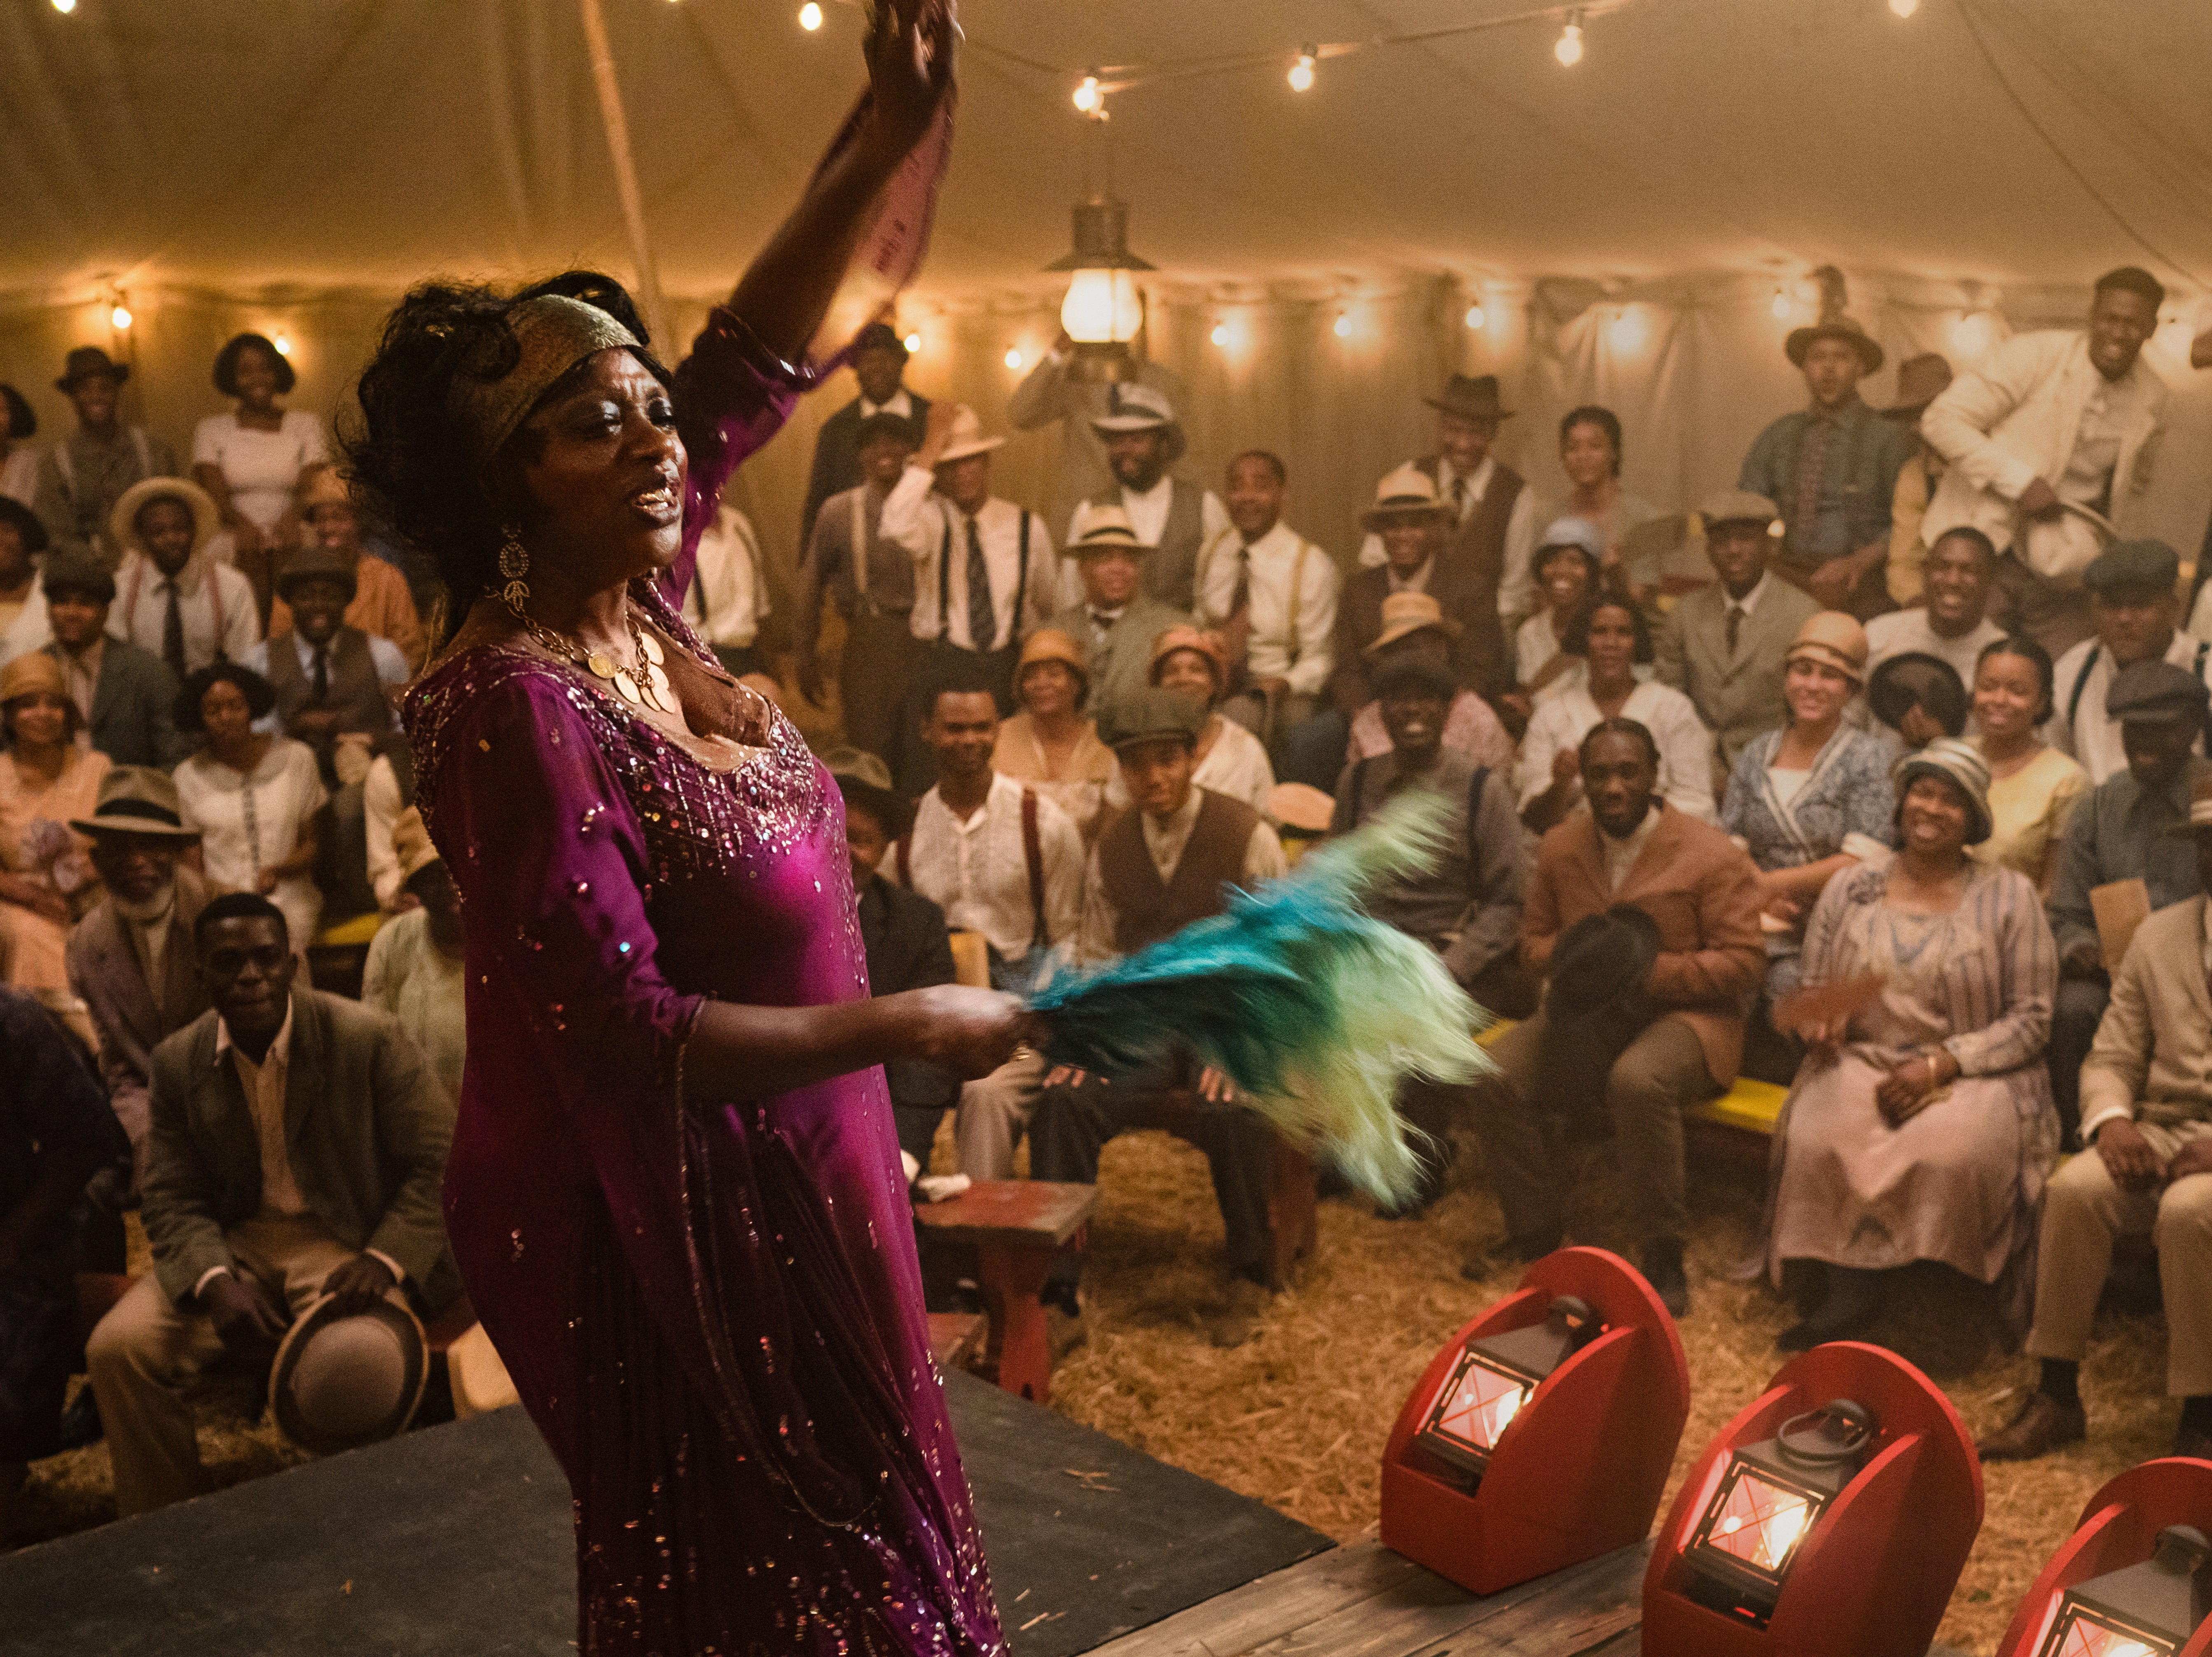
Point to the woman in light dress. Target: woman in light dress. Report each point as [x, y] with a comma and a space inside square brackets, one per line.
[251, 460]
[2033, 788]
[1051, 743]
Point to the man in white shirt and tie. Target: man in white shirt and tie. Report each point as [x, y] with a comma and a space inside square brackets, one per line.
[984, 569]
[1272, 594]
[173, 598]
[1178, 519]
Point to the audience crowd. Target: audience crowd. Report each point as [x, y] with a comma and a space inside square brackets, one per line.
[1880, 777]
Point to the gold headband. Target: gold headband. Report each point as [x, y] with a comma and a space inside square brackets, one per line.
[555, 334]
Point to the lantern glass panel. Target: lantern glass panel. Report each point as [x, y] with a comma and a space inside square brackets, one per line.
[2084, 1632]
[1102, 308]
[1475, 1406]
[1757, 1520]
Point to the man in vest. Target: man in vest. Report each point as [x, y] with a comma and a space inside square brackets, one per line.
[984, 569]
[1051, 394]
[1144, 440]
[1158, 867]
[872, 584]
[1493, 525]
[1272, 595]
[728, 603]
[2133, 606]
[334, 686]
[880, 358]
[83, 477]
[1115, 620]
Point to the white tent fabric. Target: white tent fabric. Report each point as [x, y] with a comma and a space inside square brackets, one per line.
[294, 163]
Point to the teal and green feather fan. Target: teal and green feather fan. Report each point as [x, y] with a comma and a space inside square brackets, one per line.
[1314, 1008]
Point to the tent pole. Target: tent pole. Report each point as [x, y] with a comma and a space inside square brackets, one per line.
[632, 203]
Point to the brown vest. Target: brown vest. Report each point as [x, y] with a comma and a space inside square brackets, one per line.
[1479, 546]
[1145, 910]
[355, 692]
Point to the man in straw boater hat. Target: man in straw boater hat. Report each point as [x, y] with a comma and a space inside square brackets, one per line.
[298, 1146]
[1920, 381]
[1832, 466]
[1163, 864]
[1494, 521]
[2147, 1121]
[984, 571]
[174, 598]
[84, 475]
[1115, 620]
[879, 361]
[1177, 519]
[2047, 426]
[871, 583]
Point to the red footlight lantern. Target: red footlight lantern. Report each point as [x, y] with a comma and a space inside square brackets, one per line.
[1542, 1434]
[1832, 1516]
[2132, 1580]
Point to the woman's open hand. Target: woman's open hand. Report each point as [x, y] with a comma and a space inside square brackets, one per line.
[909, 69]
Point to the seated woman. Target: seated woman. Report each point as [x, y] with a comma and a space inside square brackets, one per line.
[256, 798]
[1612, 635]
[46, 878]
[1920, 697]
[1230, 759]
[1921, 1126]
[1415, 628]
[1590, 454]
[1566, 567]
[1812, 799]
[2033, 788]
[1051, 743]
[251, 459]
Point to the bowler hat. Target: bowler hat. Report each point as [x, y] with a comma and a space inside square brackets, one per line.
[137, 799]
[879, 336]
[865, 781]
[2126, 564]
[1801, 340]
[317, 564]
[341, 1381]
[1151, 716]
[86, 361]
[1471, 397]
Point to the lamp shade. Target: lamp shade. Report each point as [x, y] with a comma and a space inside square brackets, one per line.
[2132, 1580]
[1102, 312]
[1102, 308]
[1540, 1434]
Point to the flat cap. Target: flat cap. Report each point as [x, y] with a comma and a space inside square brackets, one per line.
[1151, 716]
[2156, 690]
[1738, 506]
[2133, 564]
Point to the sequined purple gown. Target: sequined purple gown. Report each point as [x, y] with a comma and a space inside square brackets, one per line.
[712, 1313]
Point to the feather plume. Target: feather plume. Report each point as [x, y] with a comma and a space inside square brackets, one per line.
[1311, 1006]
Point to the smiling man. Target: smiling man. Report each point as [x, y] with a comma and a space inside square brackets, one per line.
[122, 694]
[1953, 623]
[1272, 595]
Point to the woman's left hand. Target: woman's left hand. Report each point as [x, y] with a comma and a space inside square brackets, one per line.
[1909, 1089]
[909, 69]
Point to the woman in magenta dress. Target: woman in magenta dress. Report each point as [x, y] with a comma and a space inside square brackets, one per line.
[675, 1189]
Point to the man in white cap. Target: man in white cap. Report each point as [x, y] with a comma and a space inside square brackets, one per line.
[984, 569]
[1272, 595]
[1049, 393]
[1494, 518]
[1144, 439]
[1115, 620]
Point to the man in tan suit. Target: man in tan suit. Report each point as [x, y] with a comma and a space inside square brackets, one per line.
[1629, 850]
[2146, 1113]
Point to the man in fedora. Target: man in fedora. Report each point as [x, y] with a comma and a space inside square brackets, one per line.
[1048, 393]
[124, 694]
[83, 475]
[879, 358]
[2049, 425]
[2147, 1121]
[298, 1146]
[1920, 381]
[383, 603]
[1115, 620]
[1178, 519]
[1422, 552]
[1687, 1008]
[131, 960]
[984, 570]
[1721, 646]
[871, 583]
[175, 598]
[1493, 523]
[23, 624]
[1831, 468]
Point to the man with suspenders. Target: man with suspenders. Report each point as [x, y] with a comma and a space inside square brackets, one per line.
[1272, 595]
[2133, 602]
[872, 584]
[84, 477]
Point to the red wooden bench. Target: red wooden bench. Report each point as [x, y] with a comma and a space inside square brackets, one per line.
[1016, 1227]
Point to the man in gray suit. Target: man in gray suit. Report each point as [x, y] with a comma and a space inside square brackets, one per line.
[1117, 621]
[122, 694]
[1723, 645]
[298, 1146]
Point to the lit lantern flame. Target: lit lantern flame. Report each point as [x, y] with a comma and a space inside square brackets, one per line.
[1102, 306]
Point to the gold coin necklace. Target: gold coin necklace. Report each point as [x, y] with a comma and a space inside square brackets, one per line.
[642, 684]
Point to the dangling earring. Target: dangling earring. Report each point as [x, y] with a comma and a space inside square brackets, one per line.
[513, 565]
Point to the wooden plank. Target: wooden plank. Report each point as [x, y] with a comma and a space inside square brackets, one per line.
[1035, 1212]
[1583, 1611]
[1274, 1605]
[1589, 1603]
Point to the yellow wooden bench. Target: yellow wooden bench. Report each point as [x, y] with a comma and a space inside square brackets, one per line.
[1751, 1106]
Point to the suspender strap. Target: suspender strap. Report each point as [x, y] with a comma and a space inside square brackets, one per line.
[1021, 585]
[2081, 683]
[1033, 855]
[903, 851]
[945, 582]
[1298, 590]
[862, 604]
[1474, 805]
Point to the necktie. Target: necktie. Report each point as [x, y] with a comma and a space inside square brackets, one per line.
[1735, 625]
[322, 675]
[1243, 596]
[982, 615]
[1811, 469]
[173, 634]
[1459, 497]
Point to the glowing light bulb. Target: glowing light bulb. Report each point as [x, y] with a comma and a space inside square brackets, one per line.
[120, 316]
[1087, 95]
[810, 16]
[1220, 335]
[1781, 305]
[1014, 356]
[1905, 7]
[283, 345]
[913, 342]
[1102, 306]
[1569, 50]
[1302, 72]
[65, 7]
[1343, 324]
[1476, 318]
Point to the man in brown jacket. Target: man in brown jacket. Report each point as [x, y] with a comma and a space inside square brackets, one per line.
[1702, 893]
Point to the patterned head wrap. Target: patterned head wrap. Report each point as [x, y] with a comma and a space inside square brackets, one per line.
[554, 333]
